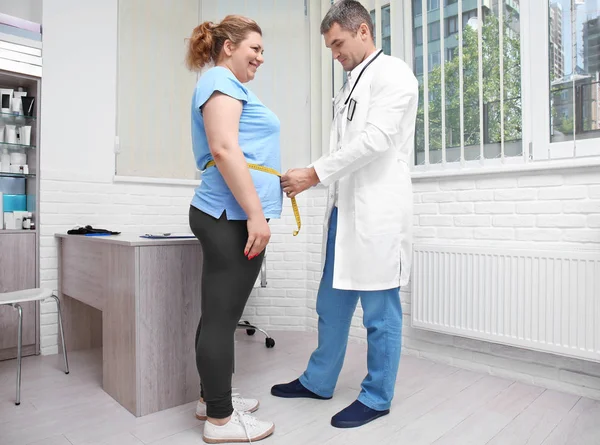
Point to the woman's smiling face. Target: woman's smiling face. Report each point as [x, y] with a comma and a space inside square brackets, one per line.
[245, 58]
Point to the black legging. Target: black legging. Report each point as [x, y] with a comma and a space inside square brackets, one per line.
[227, 280]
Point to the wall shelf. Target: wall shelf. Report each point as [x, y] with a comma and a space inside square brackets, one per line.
[16, 175]
[16, 119]
[16, 146]
[19, 248]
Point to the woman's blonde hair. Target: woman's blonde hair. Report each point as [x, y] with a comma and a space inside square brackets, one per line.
[207, 39]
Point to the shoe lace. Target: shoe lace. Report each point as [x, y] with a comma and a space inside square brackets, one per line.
[247, 422]
[236, 396]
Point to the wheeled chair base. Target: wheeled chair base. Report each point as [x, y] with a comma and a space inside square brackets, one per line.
[251, 330]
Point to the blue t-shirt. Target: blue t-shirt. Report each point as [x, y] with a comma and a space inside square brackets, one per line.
[258, 139]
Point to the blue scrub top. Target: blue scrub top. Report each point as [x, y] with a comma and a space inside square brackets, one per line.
[259, 132]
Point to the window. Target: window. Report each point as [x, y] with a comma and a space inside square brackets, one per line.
[451, 25]
[434, 61]
[574, 70]
[418, 65]
[417, 7]
[434, 31]
[471, 14]
[565, 100]
[469, 108]
[473, 110]
[418, 35]
[386, 33]
[374, 20]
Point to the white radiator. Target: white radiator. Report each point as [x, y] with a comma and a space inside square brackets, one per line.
[543, 300]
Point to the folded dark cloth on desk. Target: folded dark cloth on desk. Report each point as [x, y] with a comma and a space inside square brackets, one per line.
[88, 230]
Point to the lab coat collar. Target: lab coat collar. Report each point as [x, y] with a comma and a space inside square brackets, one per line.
[352, 75]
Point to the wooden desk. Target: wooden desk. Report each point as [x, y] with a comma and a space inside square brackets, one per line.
[139, 300]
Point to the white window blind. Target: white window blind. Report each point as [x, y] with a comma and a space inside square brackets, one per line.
[155, 89]
[283, 82]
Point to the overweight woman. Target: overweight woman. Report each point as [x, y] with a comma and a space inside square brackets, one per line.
[230, 210]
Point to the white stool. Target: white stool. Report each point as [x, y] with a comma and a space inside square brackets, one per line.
[24, 296]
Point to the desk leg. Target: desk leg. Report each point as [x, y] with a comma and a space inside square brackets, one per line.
[119, 325]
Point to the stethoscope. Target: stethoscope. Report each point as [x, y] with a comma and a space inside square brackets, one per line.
[360, 74]
[336, 102]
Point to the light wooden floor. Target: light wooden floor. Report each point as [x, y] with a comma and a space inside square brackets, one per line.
[434, 404]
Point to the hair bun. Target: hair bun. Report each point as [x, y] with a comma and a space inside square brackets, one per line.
[200, 46]
[207, 39]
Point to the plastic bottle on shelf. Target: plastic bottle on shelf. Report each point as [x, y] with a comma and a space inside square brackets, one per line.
[27, 221]
[5, 160]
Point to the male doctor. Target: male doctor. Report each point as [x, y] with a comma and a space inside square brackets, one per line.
[368, 241]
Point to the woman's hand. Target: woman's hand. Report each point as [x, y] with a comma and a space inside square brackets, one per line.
[259, 234]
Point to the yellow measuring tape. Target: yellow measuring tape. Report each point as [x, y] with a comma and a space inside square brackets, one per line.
[271, 171]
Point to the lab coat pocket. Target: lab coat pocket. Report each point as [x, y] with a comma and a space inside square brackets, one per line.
[378, 212]
[355, 115]
[351, 110]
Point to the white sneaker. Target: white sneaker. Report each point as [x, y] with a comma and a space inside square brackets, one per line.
[241, 427]
[239, 404]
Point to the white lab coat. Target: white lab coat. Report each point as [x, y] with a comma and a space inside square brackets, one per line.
[373, 249]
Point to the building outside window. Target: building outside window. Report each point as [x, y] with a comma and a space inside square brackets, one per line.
[386, 32]
[574, 69]
[374, 20]
[473, 112]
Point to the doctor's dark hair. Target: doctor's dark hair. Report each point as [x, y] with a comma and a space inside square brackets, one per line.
[349, 14]
[207, 39]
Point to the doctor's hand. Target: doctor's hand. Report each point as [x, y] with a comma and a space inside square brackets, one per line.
[296, 180]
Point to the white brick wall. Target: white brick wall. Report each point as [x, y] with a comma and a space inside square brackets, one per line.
[558, 210]
[511, 211]
[533, 208]
[121, 207]
[142, 208]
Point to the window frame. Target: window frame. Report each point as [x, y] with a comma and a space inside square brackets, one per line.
[418, 32]
[451, 30]
[542, 146]
[433, 32]
[539, 153]
[536, 140]
[431, 6]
